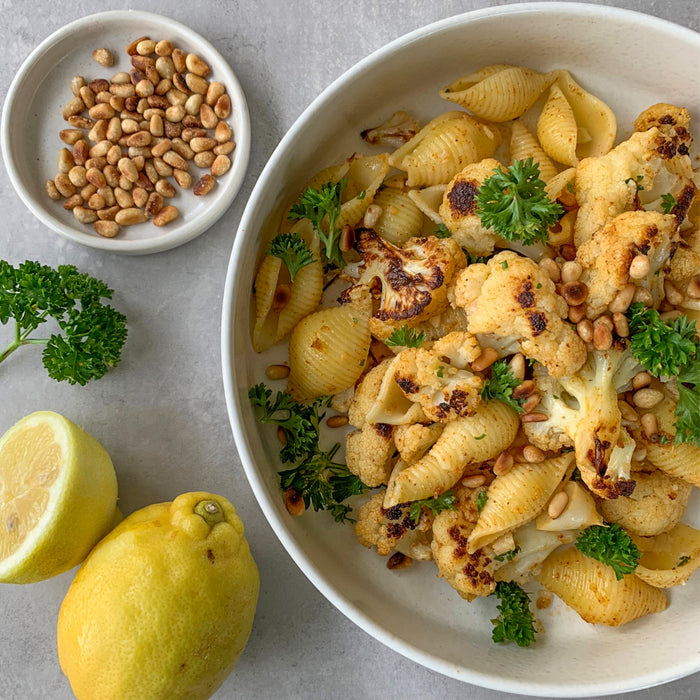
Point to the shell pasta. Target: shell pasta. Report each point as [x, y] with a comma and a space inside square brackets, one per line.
[466, 295]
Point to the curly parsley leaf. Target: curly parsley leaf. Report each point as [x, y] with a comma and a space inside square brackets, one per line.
[319, 206]
[500, 385]
[668, 202]
[324, 484]
[481, 500]
[442, 232]
[515, 622]
[508, 556]
[291, 249]
[446, 501]
[515, 204]
[405, 337]
[91, 334]
[610, 545]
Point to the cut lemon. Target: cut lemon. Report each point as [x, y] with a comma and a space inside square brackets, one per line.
[58, 496]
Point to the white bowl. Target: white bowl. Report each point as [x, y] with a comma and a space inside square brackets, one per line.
[631, 61]
[32, 119]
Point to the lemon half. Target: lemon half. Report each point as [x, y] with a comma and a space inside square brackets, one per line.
[58, 496]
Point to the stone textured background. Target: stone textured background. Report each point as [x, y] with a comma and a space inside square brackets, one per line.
[161, 413]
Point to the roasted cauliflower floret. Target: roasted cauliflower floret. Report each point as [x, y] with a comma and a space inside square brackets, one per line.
[412, 280]
[510, 300]
[582, 410]
[684, 271]
[607, 256]
[413, 441]
[611, 184]
[368, 453]
[458, 208]
[438, 379]
[656, 505]
[394, 529]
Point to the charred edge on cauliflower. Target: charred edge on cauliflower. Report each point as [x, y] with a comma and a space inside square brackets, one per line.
[683, 202]
[538, 322]
[399, 520]
[526, 298]
[613, 489]
[407, 385]
[462, 197]
[474, 569]
[383, 429]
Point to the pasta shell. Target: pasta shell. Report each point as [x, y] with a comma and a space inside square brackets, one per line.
[400, 219]
[593, 117]
[517, 497]
[669, 558]
[391, 405]
[557, 129]
[363, 178]
[428, 201]
[304, 294]
[499, 93]
[592, 590]
[524, 145]
[328, 349]
[463, 441]
[443, 147]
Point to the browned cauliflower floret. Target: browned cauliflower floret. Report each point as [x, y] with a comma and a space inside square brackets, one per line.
[413, 280]
[607, 256]
[471, 575]
[393, 529]
[400, 128]
[656, 505]
[368, 453]
[458, 209]
[438, 379]
[611, 184]
[413, 441]
[513, 301]
[669, 119]
[433, 328]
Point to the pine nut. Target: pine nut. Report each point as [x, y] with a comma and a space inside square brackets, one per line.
[557, 505]
[163, 48]
[175, 113]
[183, 178]
[128, 169]
[627, 412]
[223, 132]
[70, 136]
[602, 334]
[104, 57]
[531, 402]
[473, 481]
[621, 324]
[208, 117]
[222, 108]
[161, 148]
[77, 176]
[87, 96]
[517, 365]
[533, 454]
[650, 425]
[107, 229]
[107, 194]
[144, 88]
[577, 313]
[337, 421]
[103, 110]
[74, 107]
[81, 122]
[574, 292]
[88, 191]
[568, 251]
[670, 315]
[693, 289]
[640, 453]
[84, 215]
[76, 83]
[182, 149]
[140, 197]
[639, 267]
[130, 216]
[179, 59]
[503, 464]
[101, 149]
[162, 168]
[641, 380]
[165, 189]
[374, 211]
[571, 271]
[214, 92]
[145, 47]
[294, 502]
[175, 160]
[151, 171]
[204, 159]
[524, 389]
[533, 418]
[647, 398]
[223, 149]
[487, 357]
[65, 161]
[63, 184]
[551, 268]
[131, 48]
[673, 296]
[276, 372]
[75, 200]
[124, 198]
[199, 144]
[196, 83]
[347, 238]
[153, 205]
[96, 201]
[204, 185]
[220, 166]
[585, 330]
[163, 86]
[108, 213]
[194, 102]
[52, 191]
[166, 215]
[643, 296]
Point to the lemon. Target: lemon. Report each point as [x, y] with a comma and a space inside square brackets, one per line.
[58, 495]
[163, 606]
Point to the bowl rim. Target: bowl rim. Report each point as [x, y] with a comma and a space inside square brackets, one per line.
[645, 678]
[166, 240]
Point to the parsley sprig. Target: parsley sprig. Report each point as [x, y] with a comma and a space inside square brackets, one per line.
[91, 334]
[670, 349]
[445, 501]
[610, 545]
[405, 337]
[291, 249]
[319, 205]
[515, 204]
[500, 385]
[668, 202]
[321, 482]
[515, 622]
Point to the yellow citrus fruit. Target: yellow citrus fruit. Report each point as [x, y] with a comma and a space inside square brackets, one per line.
[163, 606]
[58, 497]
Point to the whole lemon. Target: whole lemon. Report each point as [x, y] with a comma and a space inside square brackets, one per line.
[163, 605]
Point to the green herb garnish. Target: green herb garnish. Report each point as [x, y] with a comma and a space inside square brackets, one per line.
[445, 501]
[405, 337]
[668, 202]
[291, 249]
[500, 385]
[515, 622]
[610, 545]
[442, 232]
[481, 500]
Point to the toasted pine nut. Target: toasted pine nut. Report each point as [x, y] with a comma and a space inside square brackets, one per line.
[96, 201]
[124, 198]
[223, 149]
[145, 47]
[204, 159]
[130, 216]
[575, 292]
[75, 200]
[602, 334]
[70, 136]
[163, 48]
[140, 197]
[621, 324]
[643, 295]
[196, 65]
[639, 267]
[64, 185]
[670, 315]
[503, 463]
[85, 215]
[161, 148]
[179, 59]
[183, 178]
[65, 160]
[74, 107]
[88, 191]
[531, 402]
[162, 168]
[571, 271]
[294, 502]
[374, 211]
[577, 313]
[165, 189]
[202, 143]
[640, 380]
[551, 268]
[533, 417]
[673, 296]
[628, 414]
[585, 330]
[214, 92]
[337, 421]
[204, 185]
[77, 176]
[473, 481]
[107, 194]
[557, 505]
[104, 57]
[87, 96]
[131, 48]
[194, 102]
[647, 398]
[568, 251]
[223, 132]
[524, 389]
[52, 191]
[650, 425]
[175, 113]
[81, 122]
[166, 215]
[76, 83]
[208, 117]
[693, 289]
[276, 372]
[533, 454]
[221, 165]
[153, 205]
[175, 160]
[107, 229]
[486, 359]
[108, 213]
[640, 453]
[347, 238]
[103, 110]
[222, 108]
[196, 83]
[128, 169]
[517, 365]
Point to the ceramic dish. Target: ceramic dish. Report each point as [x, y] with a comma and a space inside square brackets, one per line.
[32, 119]
[629, 60]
